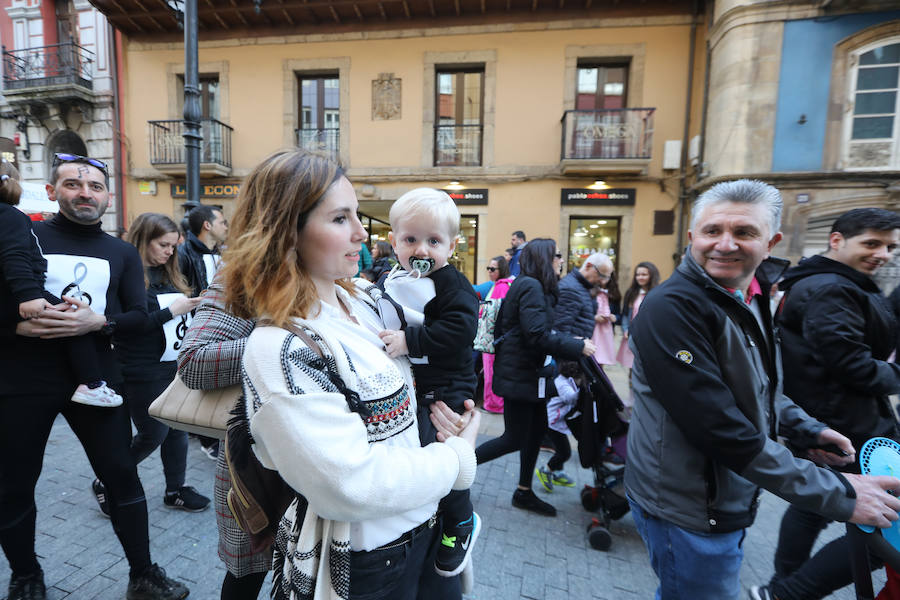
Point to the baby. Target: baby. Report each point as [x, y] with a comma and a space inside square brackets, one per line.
[22, 275]
[435, 328]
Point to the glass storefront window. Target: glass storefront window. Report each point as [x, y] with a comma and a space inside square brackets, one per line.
[466, 256]
[592, 234]
[377, 229]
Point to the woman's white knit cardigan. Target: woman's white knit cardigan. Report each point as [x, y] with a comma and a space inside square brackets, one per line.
[343, 476]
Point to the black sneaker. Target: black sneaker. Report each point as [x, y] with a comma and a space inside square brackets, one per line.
[526, 500]
[153, 584]
[760, 592]
[186, 498]
[211, 451]
[28, 587]
[100, 495]
[456, 546]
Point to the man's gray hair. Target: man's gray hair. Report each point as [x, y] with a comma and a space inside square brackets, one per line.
[598, 258]
[749, 191]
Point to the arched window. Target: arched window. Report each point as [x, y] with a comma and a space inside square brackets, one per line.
[871, 128]
[66, 141]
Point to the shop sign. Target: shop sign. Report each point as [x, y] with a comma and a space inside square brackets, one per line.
[209, 190]
[473, 196]
[609, 197]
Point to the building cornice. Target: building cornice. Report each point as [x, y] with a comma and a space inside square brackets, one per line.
[809, 179]
[418, 32]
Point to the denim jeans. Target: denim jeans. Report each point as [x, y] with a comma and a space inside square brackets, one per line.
[691, 565]
[403, 572]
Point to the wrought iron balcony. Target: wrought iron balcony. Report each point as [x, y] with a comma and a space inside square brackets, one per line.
[606, 141]
[167, 152]
[55, 72]
[458, 145]
[320, 140]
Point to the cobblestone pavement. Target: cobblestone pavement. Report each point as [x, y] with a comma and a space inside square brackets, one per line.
[519, 555]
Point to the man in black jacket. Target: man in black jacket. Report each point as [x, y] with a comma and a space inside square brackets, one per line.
[35, 383]
[198, 261]
[198, 256]
[838, 331]
[709, 407]
[576, 308]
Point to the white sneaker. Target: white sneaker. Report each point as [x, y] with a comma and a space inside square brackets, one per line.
[103, 396]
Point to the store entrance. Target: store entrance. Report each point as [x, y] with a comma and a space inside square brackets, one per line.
[593, 234]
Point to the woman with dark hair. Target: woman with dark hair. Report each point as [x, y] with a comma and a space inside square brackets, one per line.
[382, 261]
[646, 277]
[498, 271]
[525, 342]
[149, 359]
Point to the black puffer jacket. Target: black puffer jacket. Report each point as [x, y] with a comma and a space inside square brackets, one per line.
[527, 315]
[838, 330]
[576, 308]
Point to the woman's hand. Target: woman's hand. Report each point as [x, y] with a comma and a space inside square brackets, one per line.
[449, 423]
[601, 318]
[183, 305]
[589, 348]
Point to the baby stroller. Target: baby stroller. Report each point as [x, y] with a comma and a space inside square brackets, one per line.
[593, 421]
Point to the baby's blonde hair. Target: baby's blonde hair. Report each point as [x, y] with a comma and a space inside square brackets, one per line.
[428, 203]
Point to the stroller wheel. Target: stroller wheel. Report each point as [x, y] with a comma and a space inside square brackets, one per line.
[599, 536]
[590, 498]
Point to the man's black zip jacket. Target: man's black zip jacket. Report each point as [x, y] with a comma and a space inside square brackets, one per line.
[838, 331]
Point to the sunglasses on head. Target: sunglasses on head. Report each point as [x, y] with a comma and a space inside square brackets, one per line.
[491, 269]
[61, 157]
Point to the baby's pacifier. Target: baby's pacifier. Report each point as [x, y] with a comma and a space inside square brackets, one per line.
[421, 265]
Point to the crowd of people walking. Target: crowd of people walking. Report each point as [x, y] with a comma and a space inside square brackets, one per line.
[359, 380]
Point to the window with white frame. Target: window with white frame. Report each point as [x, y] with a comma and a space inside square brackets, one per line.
[870, 125]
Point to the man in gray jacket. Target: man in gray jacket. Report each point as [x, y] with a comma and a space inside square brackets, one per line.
[709, 407]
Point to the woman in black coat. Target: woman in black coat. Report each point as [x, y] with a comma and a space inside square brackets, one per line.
[526, 326]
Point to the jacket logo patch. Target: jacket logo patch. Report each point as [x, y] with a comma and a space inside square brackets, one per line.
[684, 356]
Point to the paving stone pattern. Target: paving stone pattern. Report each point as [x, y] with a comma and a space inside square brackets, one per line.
[518, 555]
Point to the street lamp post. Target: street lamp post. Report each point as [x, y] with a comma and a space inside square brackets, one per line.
[192, 112]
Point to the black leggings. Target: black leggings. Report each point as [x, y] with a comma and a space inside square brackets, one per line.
[242, 588]
[105, 435]
[799, 577]
[525, 422]
[563, 449]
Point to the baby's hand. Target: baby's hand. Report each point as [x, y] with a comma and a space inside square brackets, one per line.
[33, 308]
[394, 342]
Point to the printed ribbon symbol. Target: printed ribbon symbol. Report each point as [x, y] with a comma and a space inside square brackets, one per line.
[73, 289]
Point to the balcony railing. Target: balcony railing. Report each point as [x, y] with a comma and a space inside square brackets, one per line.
[320, 140]
[620, 134]
[167, 143]
[55, 65]
[458, 145]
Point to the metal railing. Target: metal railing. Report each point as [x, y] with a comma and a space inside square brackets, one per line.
[607, 134]
[167, 142]
[57, 64]
[319, 140]
[458, 145]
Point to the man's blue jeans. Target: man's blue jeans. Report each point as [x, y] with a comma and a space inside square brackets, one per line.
[691, 565]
